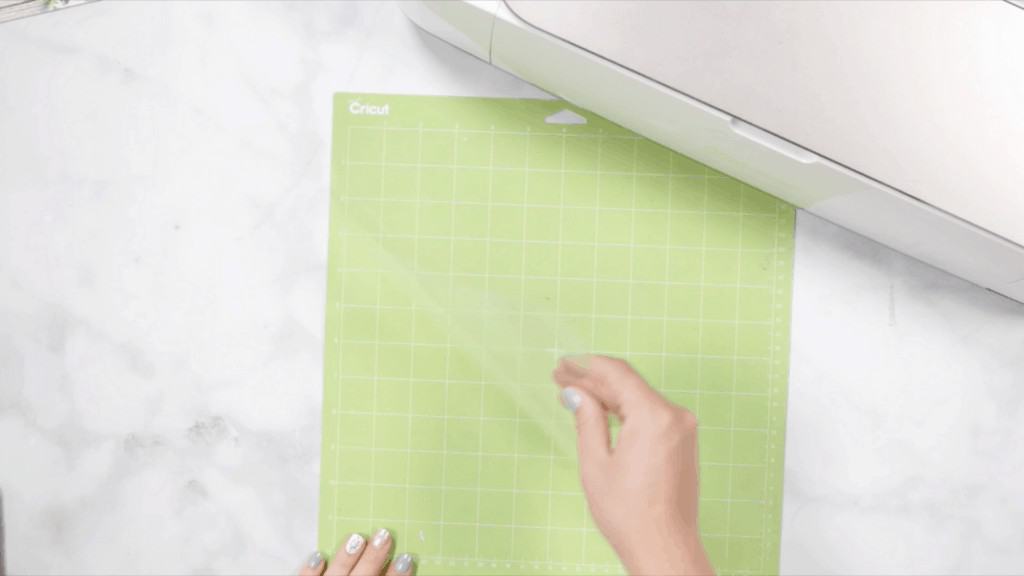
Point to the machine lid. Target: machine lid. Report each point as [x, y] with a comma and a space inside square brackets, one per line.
[925, 97]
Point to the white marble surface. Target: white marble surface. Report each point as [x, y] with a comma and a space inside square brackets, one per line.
[163, 201]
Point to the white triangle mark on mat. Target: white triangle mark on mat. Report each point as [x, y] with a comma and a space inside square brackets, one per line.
[566, 117]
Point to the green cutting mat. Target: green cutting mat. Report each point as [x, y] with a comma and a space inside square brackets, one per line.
[472, 244]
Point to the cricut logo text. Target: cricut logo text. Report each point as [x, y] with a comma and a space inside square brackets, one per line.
[358, 108]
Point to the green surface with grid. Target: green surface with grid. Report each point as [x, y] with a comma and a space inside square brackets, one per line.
[471, 244]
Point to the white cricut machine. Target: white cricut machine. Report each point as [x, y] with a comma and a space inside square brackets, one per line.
[903, 121]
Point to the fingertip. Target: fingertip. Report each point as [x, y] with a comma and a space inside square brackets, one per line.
[376, 555]
[314, 565]
[575, 364]
[382, 540]
[558, 376]
[403, 564]
[564, 377]
[571, 399]
[347, 555]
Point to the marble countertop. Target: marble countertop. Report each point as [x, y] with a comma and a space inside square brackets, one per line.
[163, 219]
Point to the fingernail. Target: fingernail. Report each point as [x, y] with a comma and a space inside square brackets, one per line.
[354, 544]
[581, 361]
[380, 539]
[403, 563]
[315, 559]
[571, 399]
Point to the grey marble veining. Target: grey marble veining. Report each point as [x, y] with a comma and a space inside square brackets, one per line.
[163, 218]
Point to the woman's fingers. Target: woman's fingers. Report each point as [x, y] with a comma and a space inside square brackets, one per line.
[375, 555]
[314, 566]
[402, 565]
[611, 381]
[357, 557]
[347, 556]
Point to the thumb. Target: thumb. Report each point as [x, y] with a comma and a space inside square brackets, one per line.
[592, 437]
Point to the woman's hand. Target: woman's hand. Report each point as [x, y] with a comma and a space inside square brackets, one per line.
[643, 490]
[356, 557]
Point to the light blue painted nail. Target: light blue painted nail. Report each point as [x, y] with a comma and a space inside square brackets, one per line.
[315, 559]
[381, 538]
[571, 399]
[403, 563]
